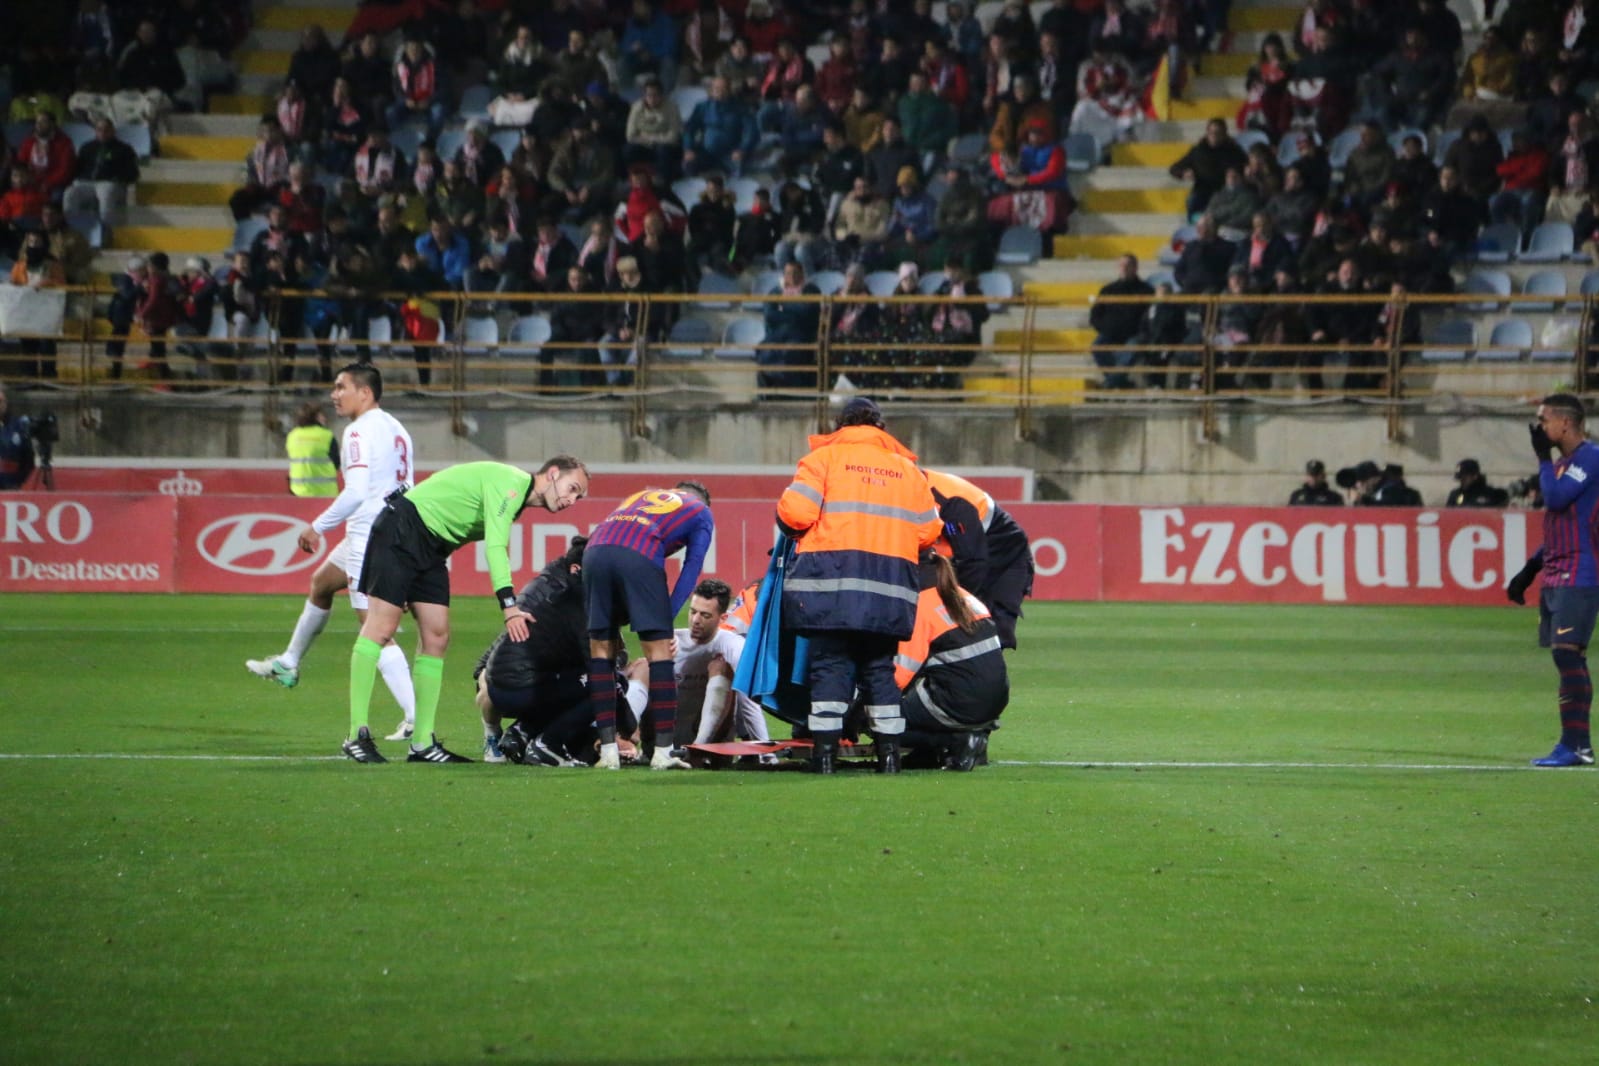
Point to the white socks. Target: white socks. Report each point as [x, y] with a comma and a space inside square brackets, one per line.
[713, 712]
[312, 620]
[397, 675]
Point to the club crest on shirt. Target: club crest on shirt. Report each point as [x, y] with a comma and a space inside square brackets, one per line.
[1576, 473]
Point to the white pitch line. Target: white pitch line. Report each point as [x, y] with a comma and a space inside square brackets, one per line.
[1106, 765]
[1053, 763]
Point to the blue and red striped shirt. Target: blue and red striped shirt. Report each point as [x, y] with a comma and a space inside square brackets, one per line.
[657, 523]
[1570, 549]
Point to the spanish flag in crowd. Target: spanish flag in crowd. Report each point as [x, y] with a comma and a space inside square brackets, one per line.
[1157, 94]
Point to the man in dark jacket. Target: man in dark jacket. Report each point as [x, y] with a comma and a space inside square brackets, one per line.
[1315, 492]
[1206, 165]
[539, 681]
[1205, 260]
[1116, 324]
[1352, 325]
[1474, 490]
[794, 323]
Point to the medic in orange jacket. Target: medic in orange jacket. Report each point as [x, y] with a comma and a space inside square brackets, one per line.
[961, 673]
[861, 513]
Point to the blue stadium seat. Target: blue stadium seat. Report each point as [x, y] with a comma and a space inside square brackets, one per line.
[828, 282]
[475, 101]
[766, 282]
[743, 190]
[449, 143]
[245, 233]
[481, 335]
[137, 137]
[80, 133]
[1019, 246]
[688, 97]
[1590, 283]
[1247, 139]
[1446, 140]
[1288, 150]
[528, 334]
[1509, 341]
[90, 226]
[1498, 243]
[931, 282]
[1487, 283]
[714, 284]
[1158, 276]
[688, 190]
[1346, 141]
[740, 338]
[689, 338]
[882, 282]
[406, 140]
[1550, 243]
[507, 141]
[997, 283]
[969, 148]
[1550, 283]
[1449, 340]
[1082, 152]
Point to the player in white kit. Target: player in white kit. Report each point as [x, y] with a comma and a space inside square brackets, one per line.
[705, 656]
[377, 460]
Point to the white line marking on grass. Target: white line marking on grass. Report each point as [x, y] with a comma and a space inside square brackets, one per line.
[156, 757]
[1107, 765]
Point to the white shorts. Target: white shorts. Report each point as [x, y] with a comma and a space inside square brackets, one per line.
[348, 557]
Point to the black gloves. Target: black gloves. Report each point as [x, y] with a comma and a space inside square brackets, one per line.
[1542, 446]
[1516, 591]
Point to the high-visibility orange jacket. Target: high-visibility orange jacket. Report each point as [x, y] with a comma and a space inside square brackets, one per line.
[961, 675]
[861, 513]
[741, 612]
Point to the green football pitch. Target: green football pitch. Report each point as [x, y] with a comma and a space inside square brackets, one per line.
[1209, 835]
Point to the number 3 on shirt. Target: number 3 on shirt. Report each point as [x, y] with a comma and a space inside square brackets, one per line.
[653, 501]
[402, 470]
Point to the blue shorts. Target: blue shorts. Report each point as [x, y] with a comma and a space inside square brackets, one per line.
[623, 587]
[1566, 615]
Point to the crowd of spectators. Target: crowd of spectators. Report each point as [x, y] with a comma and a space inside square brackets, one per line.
[1367, 484]
[912, 144]
[673, 140]
[1396, 216]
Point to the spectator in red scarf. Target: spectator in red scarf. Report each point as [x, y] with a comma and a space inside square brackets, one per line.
[48, 154]
[417, 88]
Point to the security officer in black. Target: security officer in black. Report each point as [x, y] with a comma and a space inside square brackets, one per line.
[1315, 492]
[1474, 490]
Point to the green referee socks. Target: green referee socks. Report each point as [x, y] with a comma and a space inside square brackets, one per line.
[363, 674]
[427, 672]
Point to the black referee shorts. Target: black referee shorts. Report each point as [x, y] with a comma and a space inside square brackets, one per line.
[405, 563]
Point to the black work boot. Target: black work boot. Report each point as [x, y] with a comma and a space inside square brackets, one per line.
[824, 749]
[887, 755]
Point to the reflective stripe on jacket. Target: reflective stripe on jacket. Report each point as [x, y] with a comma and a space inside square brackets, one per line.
[962, 675]
[861, 513]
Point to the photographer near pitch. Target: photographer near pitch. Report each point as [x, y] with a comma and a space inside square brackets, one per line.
[25, 443]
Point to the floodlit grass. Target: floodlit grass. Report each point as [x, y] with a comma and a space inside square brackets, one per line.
[1328, 901]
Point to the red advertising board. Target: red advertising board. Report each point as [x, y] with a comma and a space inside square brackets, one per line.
[1313, 554]
[128, 543]
[65, 542]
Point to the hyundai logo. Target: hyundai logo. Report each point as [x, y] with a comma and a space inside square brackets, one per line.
[257, 545]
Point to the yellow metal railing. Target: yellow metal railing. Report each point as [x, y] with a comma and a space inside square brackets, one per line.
[501, 347]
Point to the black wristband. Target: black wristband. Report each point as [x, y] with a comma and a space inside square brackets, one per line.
[506, 596]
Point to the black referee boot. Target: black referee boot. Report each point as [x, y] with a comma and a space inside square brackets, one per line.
[887, 754]
[823, 751]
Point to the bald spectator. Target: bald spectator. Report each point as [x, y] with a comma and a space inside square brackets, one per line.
[106, 169]
[1204, 262]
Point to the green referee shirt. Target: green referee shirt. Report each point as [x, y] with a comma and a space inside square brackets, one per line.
[476, 501]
